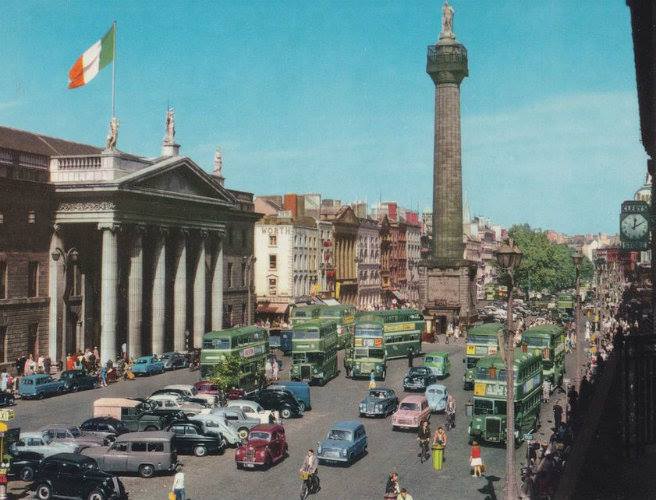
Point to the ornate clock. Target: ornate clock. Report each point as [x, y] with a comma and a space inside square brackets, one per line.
[634, 225]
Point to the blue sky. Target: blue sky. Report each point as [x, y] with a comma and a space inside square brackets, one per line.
[332, 96]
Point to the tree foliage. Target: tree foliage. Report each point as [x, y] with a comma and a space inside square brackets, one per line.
[226, 373]
[545, 265]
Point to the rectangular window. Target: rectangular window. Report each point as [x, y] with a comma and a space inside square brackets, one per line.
[229, 274]
[2, 218]
[32, 279]
[76, 285]
[273, 285]
[139, 446]
[273, 240]
[3, 279]
[243, 274]
[273, 262]
[3, 344]
[31, 217]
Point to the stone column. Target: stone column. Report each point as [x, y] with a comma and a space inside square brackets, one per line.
[55, 282]
[180, 292]
[217, 290]
[108, 291]
[159, 292]
[199, 292]
[135, 293]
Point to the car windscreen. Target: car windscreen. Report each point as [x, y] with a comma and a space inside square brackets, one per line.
[142, 361]
[264, 436]
[409, 406]
[435, 390]
[339, 435]
[75, 431]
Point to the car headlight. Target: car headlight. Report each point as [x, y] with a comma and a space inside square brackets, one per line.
[379, 368]
[379, 407]
[342, 452]
[363, 406]
[319, 449]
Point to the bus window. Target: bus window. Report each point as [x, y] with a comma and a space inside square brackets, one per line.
[483, 407]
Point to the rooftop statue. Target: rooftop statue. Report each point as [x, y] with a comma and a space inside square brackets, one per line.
[447, 21]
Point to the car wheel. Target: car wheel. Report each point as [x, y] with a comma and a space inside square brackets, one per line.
[301, 406]
[146, 470]
[200, 451]
[96, 495]
[27, 474]
[286, 413]
[44, 491]
[242, 433]
[395, 428]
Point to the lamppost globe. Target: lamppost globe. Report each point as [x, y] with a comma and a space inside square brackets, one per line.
[508, 255]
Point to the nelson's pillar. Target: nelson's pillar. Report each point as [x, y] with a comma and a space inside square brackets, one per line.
[448, 288]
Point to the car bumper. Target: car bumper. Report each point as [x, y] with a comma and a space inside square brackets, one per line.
[414, 387]
[406, 426]
[249, 464]
[437, 407]
[372, 413]
[332, 458]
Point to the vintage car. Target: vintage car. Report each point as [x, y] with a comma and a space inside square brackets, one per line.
[43, 444]
[437, 395]
[142, 452]
[192, 393]
[106, 428]
[71, 434]
[418, 378]
[345, 441]
[6, 399]
[412, 410]
[251, 409]
[147, 365]
[76, 380]
[24, 465]
[378, 402]
[176, 402]
[181, 394]
[237, 419]
[207, 387]
[190, 438]
[281, 401]
[135, 415]
[76, 476]
[217, 424]
[300, 390]
[39, 386]
[439, 363]
[174, 360]
[266, 446]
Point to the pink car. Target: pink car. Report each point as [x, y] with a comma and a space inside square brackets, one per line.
[412, 410]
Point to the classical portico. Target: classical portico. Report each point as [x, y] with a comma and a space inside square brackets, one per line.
[149, 263]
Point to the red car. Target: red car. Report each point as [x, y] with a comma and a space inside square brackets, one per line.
[266, 445]
[207, 387]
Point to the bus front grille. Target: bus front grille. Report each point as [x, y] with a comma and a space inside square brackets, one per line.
[492, 427]
[306, 371]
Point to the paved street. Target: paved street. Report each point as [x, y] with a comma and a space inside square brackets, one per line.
[209, 476]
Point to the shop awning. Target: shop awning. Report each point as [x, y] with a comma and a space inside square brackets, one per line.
[272, 308]
[330, 302]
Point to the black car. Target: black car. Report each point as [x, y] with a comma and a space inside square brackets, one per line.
[281, 401]
[76, 476]
[174, 360]
[24, 465]
[418, 378]
[105, 427]
[6, 399]
[379, 401]
[77, 380]
[190, 438]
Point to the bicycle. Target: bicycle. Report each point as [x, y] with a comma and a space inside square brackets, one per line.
[450, 420]
[423, 449]
[310, 484]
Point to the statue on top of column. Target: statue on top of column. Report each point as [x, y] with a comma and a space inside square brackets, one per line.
[218, 163]
[169, 137]
[447, 21]
[112, 135]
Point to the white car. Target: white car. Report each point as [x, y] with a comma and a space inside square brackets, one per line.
[39, 442]
[212, 423]
[251, 409]
[191, 392]
[171, 401]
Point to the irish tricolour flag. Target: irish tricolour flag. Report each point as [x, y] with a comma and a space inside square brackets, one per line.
[95, 58]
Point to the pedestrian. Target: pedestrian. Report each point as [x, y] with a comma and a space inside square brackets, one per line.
[275, 368]
[411, 355]
[103, 376]
[28, 369]
[558, 415]
[423, 439]
[404, 495]
[392, 488]
[546, 391]
[96, 355]
[475, 460]
[20, 364]
[70, 362]
[178, 486]
[39, 364]
[47, 365]
[267, 368]
[4, 380]
[372, 380]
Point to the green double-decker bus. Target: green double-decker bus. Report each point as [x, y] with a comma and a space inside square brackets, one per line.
[488, 423]
[482, 340]
[314, 351]
[548, 342]
[344, 316]
[302, 314]
[565, 303]
[368, 351]
[250, 344]
[402, 329]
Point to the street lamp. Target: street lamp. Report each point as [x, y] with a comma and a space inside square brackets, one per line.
[68, 258]
[577, 258]
[509, 256]
[248, 261]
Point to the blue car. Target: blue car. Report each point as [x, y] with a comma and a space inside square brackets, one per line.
[437, 395]
[39, 386]
[300, 390]
[147, 365]
[345, 441]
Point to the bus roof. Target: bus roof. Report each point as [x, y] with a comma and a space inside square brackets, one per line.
[486, 329]
[542, 330]
[335, 311]
[315, 323]
[497, 361]
[369, 319]
[233, 332]
[304, 311]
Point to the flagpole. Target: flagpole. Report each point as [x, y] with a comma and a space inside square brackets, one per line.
[114, 74]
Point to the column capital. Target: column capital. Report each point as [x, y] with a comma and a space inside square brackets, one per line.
[139, 229]
[109, 226]
[57, 228]
[162, 230]
[183, 232]
[203, 233]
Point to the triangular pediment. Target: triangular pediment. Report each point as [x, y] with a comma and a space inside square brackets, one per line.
[347, 216]
[179, 177]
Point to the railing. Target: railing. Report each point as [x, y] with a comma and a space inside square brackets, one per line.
[78, 162]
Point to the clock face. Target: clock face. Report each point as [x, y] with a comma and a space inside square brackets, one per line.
[634, 226]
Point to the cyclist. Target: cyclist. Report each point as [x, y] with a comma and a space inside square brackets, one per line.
[309, 475]
[450, 412]
[423, 439]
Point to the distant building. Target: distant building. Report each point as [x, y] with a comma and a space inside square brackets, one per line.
[368, 265]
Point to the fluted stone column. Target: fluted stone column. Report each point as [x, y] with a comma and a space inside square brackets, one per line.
[217, 291]
[108, 291]
[135, 293]
[159, 292]
[55, 281]
[199, 291]
[180, 292]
